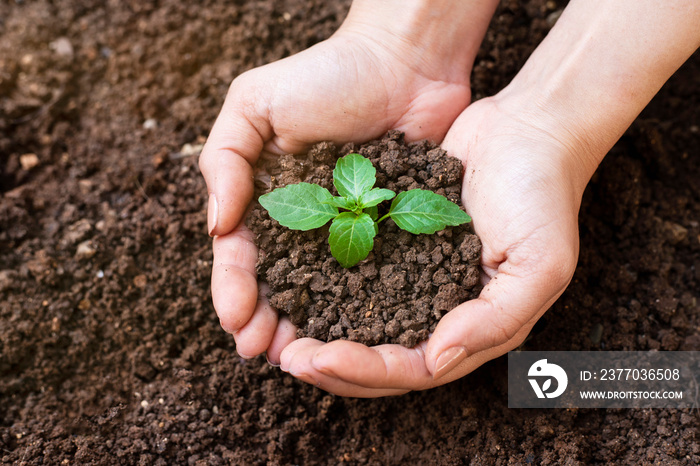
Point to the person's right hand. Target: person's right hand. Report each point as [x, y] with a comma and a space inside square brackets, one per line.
[365, 80]
[522, 187]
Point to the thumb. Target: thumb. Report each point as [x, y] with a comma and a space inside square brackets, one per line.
[501, 317]
[228, 157]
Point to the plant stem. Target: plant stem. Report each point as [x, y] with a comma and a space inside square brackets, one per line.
[387, 215]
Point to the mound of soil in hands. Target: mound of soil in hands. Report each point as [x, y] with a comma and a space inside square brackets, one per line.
[406, 284]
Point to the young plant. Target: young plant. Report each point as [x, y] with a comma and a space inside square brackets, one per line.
[305, 206]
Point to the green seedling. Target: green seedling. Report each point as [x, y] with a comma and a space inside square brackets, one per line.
[305, 206]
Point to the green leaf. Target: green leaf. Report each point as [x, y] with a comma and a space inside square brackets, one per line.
[420, 211]
[353, 176]
[342, 203]
[375, 196]
[372, 212]
[299, 206]
[351, 238]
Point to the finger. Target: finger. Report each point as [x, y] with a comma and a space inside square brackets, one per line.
[285, 333]
[500, 319]
[384, 366]
[234, 287]
[228, 157]
[297, 357]
[256, 335]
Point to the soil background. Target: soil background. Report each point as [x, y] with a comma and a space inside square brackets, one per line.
[110, 350]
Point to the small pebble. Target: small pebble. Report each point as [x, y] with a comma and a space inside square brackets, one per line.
[26, 60]
[676, 232]
[553, 17]
[151, 123]
[191, 149]
[85, 250]
[28, 161]
[62, 47]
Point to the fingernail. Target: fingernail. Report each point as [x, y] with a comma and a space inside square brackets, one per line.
[273, 364]
[448, 360]
[212, 213]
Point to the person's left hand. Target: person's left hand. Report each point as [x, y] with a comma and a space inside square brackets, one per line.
[523, 188]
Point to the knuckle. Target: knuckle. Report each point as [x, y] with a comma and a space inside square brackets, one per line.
[202, 163]
[239, 87]
[238, 82]
[559, 268]
[504, 327]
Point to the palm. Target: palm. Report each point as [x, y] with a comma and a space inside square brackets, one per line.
[346, 89]
[524, 194]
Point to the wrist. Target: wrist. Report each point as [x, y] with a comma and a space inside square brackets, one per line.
[436, 35]
[599, 67]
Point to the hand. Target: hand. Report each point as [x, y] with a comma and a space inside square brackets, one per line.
[522, 188]
[355, 86]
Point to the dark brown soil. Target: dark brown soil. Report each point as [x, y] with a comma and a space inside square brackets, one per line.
[110, 350]
[406, 284]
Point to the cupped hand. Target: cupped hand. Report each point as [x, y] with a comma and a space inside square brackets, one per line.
[522, 186]
[355, 86]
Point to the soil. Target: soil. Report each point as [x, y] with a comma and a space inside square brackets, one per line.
[110, 350]
[406, 284]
